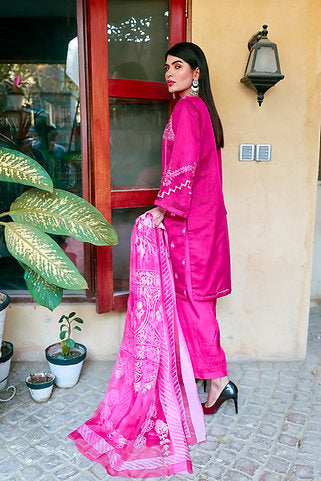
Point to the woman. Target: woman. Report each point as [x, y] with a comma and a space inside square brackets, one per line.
[190, 202]
[151, 413]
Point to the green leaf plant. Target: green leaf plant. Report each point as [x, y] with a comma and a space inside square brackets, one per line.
[40, 211]
[66, 328]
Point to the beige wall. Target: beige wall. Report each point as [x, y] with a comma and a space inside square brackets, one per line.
[316, 263]
[31, 328]
[271, 205]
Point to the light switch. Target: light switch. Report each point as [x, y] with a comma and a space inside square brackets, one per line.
[263, 152]
[246, 151]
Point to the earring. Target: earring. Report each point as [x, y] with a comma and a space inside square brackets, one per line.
[174, 96]
[195, 87]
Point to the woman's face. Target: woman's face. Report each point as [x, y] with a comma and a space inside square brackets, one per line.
[179, 75]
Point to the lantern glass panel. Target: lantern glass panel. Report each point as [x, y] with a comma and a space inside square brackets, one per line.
[265, 60]
[249, 63]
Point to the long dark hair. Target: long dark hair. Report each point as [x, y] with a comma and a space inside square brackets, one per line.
[194, 56]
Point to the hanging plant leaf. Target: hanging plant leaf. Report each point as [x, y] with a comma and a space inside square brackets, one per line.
[64, 213]
[44, 292]
[37, 250]
[22, 169]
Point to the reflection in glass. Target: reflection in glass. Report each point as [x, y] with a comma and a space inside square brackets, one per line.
[123, 220]
[135, 142]
[137, 39]
[39, 109]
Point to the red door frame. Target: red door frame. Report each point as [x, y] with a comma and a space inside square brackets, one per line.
[95, 89]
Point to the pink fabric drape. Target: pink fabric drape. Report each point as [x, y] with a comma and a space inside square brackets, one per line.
[151, 410]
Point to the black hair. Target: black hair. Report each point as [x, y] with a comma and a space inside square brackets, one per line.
[194, 56]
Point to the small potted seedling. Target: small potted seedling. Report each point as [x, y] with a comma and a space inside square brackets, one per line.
[40, 385]
[66, 357]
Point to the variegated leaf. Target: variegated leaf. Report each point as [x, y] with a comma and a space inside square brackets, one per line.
[38, 251]
[44, 292]
[64, 213]
[22, 169]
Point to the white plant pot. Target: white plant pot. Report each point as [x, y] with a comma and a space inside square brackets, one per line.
[66, 371]
[14, 101]
[40, 392]
[4, 302]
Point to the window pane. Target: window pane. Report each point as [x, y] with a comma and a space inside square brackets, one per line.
[123, 220]
[137, 39]
[136, 129]
[39, 107]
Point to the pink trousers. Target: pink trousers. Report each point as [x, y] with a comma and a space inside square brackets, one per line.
[202, 336]
[201, 331]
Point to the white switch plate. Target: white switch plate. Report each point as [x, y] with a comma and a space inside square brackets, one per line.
[263, 152]
[246, 152]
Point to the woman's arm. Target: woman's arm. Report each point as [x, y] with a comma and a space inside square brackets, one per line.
[176, 184]
[158, 213]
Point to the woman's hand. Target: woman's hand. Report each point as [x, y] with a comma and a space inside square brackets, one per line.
[158, 213]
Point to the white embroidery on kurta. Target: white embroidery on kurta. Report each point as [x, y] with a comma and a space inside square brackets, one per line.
[168, 132]
[186, 184]
[171, 174]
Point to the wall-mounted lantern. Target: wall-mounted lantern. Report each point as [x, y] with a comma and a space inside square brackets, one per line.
[263, 67]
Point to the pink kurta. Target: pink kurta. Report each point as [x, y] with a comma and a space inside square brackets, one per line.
[191, 192]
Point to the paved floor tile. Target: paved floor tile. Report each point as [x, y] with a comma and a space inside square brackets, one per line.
[303, 472]
[275, 437]
[30, 473]
[269, 476]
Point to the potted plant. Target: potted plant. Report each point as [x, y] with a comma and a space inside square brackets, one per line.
[40, 211]
[5, 361]
[43, 210]
[66, 357]
[6, 348]
[4, 302]
[40, 385]
[15, 92]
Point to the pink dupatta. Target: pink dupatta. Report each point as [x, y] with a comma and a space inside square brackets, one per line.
[151, 411]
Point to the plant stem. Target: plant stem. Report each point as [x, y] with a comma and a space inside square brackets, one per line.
[69, 329]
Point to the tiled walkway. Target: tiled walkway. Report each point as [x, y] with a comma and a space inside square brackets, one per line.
[275, 437]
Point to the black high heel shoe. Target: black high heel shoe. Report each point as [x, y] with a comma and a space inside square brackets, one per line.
[229, 392]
